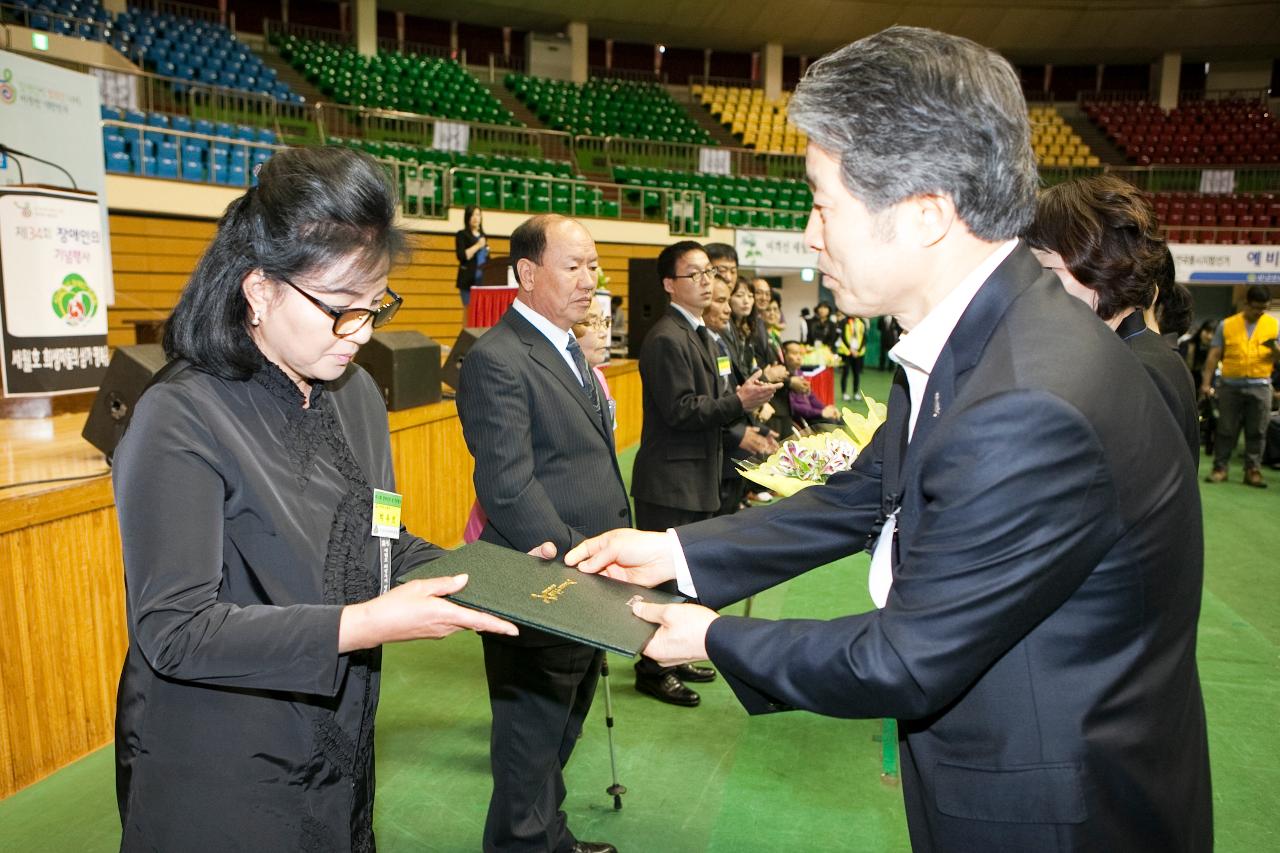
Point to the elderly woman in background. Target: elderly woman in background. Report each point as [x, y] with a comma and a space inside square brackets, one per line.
[257, 598]
[1098, 234]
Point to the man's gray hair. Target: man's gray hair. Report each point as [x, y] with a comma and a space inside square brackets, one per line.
[911, 111]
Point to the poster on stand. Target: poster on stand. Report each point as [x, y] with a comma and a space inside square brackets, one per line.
[52, 273]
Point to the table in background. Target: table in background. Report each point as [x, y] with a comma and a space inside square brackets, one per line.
[488, 304]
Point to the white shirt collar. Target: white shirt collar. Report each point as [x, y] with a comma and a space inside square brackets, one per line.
[920, 348]
[559, 337]
[694, 319]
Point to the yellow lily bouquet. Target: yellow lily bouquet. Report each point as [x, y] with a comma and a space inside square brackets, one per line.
[811, 459]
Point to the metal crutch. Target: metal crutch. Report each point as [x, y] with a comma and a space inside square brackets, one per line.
[615, 790]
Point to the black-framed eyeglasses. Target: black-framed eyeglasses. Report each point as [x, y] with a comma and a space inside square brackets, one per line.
[348, 321]
[699, 275]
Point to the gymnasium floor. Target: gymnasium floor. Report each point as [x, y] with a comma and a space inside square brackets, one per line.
[713, 779]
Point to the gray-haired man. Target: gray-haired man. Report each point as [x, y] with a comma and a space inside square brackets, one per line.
[1037, 561]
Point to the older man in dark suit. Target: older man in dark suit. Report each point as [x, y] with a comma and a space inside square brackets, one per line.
[676, 477]
[536, 421]
[1036, 545]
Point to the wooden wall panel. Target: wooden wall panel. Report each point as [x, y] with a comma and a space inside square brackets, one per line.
[62, 641]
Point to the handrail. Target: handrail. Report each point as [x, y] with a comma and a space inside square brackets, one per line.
[684, 211]
[22, 15]
[1188, 96]
[272, 27]
[732, 82]
[627, 74]
[185, 10]
[393, 45]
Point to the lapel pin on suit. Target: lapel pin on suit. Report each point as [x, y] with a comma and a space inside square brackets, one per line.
[937, 403]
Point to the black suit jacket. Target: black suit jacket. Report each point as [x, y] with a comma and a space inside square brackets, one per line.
[1169, 373]
[678, 463]
[545, 463]
[1038, 644]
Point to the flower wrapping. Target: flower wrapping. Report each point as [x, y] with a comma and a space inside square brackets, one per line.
[810, 460]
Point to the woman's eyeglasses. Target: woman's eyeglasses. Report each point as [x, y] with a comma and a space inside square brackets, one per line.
[348, 321]
[603, 323]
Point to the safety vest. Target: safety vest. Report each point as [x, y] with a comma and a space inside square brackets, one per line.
[1245, 357]
[853, 338]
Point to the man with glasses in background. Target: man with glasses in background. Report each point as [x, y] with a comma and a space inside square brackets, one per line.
[676, 478]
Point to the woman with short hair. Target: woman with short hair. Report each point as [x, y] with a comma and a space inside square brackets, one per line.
[1098, 235]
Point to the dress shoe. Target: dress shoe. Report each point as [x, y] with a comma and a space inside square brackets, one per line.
[698, 674]
[667, 688]
[593, 847]
[1218, 475]
[1252, 477]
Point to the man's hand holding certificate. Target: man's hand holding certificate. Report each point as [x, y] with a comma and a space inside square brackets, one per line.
[648, 559]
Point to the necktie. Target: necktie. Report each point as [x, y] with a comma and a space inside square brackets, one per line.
[704, 335]
[588, 381]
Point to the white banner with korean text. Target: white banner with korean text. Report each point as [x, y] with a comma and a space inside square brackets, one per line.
[773, 250]
[53, 114]
[54, 336]
[1206, 264]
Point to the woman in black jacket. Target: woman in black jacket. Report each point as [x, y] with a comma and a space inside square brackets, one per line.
[472, 248]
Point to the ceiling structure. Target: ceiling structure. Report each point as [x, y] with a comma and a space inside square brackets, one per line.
[1025, 31]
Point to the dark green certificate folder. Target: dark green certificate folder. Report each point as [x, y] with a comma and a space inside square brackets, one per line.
[547, 595]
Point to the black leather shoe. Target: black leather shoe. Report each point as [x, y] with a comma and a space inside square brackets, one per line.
[593, 847]
[667, 688]
[696, 674]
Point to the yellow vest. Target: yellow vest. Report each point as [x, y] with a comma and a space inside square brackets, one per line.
[1245, 357]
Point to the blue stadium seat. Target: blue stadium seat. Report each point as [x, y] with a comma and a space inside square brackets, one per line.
[112, 141]
[118, 161]
[110, 113]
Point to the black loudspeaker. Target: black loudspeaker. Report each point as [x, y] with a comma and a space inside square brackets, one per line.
[130, 371]
[646, 301]
[406, 366]
[453, 366]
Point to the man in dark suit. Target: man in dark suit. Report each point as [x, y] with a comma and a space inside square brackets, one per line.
[536, 421]
[1036, 539]
[676, 477]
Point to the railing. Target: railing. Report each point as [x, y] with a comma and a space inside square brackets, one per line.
[1190, 96]
[733, 82]
[1245, 178]
[392, 45]
[23, 17]
[182, 10]
[345, 121]
[1215, 234]
[273, 29]
[601, 154]
[500, 65]
[626, 74]
[421, 188]
[683, 211]
[747, 216]
[206, 174]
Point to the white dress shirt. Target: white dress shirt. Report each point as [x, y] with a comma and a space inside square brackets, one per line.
[917, 351]
[558, 337]
[695, 320]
